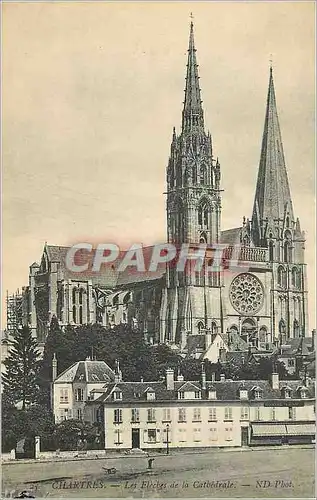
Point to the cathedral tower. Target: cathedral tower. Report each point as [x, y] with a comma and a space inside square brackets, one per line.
[193, 177]
[191, 299]
[275, 227]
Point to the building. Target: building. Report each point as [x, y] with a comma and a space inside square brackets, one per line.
[191, 414]
[263, 299]
[72, 388]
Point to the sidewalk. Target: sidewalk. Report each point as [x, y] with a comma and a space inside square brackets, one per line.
[104, 455]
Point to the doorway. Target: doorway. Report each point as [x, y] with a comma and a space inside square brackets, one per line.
[244, 436]
[135, 438]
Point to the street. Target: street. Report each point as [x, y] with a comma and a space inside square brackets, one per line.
[265, 473]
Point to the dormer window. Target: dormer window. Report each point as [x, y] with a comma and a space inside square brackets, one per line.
[303, 393]
[181, 395]
[244, 394]
[286, 393]
[117, 395]
[257, 393]
[212, 394]
[197, 395]
[150, 395]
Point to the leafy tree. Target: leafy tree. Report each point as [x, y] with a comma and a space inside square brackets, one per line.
[20, 380]
[75, 435]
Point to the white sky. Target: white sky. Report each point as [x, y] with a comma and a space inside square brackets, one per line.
[91, 92]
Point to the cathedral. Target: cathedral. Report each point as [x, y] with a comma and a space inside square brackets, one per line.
[262, 297]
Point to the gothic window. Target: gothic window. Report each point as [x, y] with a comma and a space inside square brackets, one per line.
[263, 334]
[203, 238]
[74, 314]
[203, 214]
[281, 277]
[295, 328]
[80, 315]
[246, 241]
[213, 327]
[282, 330]
[287, 248]
[248, 329]
[246, 293]
[287, 221]
[271, 251]
[203, 177]
[200, 327]
[296, 278]
[179, 217]
[194, 174]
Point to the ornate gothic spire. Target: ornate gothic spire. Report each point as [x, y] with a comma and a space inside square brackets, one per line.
[193, 115]
[272, 194]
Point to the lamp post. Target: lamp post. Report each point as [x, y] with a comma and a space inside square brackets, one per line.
[167, 436]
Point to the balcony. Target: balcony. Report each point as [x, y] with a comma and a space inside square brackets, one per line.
[249, 254]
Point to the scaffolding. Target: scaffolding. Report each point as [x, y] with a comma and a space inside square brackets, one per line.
[14, 312]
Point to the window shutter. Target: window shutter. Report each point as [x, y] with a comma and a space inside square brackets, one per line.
[145, 436]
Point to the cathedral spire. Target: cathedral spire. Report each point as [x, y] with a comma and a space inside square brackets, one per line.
[193, 116]
[272, 196]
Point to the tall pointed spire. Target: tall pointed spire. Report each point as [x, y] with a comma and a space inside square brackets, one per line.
[272, 195]
[193, 115]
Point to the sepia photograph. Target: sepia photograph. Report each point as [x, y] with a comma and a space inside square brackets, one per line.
[158, 263]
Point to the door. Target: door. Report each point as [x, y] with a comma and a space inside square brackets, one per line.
[135, 438]
[244, 436]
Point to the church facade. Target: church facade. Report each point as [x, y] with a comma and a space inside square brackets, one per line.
[257, 289]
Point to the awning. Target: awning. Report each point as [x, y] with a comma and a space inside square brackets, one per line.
[268, 430]
[301, 429]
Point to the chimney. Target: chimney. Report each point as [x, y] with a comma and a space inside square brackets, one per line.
[203, 377]
[117, 372]
[54, 367]
[275, 380]
[170, 379]
[313, 334]
[222, 377]
[207, 339]
[180, 377]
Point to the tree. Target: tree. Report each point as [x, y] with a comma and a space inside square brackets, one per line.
[75, 435]
[20, 380]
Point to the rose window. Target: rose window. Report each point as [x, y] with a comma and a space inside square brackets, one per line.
[246, 294]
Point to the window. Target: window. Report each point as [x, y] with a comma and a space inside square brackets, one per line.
[150, 395]
[197, 435]
[197, 415]
[79, 394]
[273, 414]
[181, 395]
[151, 415]
[212, 395]
[244, 413]
[79, 414]
[135, 415]
[203, 215]
[257, 394]
[243, 394]
[303, 393]
[117, 416]
[182, 414]
[291, 362]
[197, 395]
[212, 414]
[257, 413]
[292, 413]
[182, 435]
[287, 393]
[117, 395]
[228, 433]
[213, 434]
[228, 413]
[151, 435]
[63, 396]
[281, 277]
[118, 434]
[271, 251]
[166, 414]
